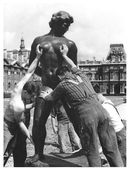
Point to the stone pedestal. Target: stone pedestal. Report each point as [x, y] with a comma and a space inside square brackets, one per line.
[36, 164]
[60, 160]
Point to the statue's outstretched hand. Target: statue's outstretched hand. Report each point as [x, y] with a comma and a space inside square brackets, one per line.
[63, 49]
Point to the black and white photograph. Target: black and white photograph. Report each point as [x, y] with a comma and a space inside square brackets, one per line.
[64, 84]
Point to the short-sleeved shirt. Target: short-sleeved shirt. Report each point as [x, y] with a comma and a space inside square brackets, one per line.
[115, 119]
[75, 90]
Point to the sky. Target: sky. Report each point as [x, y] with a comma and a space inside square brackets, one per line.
[97, 24]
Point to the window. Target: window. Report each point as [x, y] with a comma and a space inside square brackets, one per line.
[106, 77]
[9, 85]
[121, 75]
[121, 88]
[96, 76]
[124, 75]
[115, 75]
[111, 75]
[105, 69]
[111, 88]
[89, 76]
[121, 67]
[93, 69]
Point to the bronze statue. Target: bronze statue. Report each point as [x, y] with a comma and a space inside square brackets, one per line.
[49, 62]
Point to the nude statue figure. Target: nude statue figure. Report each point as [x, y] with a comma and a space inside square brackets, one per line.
[49, 62]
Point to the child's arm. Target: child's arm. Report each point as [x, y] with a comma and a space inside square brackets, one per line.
[64, 51]
[30, 106]
[30, 71]
[54, 121]
[54, 124]
[25, 131]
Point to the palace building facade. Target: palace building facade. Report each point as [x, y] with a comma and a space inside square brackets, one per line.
[109, 75]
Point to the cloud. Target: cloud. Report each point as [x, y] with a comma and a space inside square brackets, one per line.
[9, 38]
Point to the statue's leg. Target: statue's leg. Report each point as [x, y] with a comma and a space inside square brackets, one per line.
[41, 113]
[35, 128]
[46, 109]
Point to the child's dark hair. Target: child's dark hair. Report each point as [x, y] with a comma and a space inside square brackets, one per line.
[33, 87]
[38, 87]
[62, 70]
[29, 87]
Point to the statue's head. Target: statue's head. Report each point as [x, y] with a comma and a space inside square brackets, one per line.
[60, 22]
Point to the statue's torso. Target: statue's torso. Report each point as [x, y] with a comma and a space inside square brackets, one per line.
[51, 58]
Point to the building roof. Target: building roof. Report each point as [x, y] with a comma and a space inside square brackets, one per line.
[116, 45]
[101, 64]
[15, 63]
[6, 62]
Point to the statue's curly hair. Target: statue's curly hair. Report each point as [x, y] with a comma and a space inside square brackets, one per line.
[61, 16]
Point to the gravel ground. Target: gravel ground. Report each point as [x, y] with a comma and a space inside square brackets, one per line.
[51, 141]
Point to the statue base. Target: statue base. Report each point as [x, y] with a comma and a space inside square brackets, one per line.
[60, 160]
